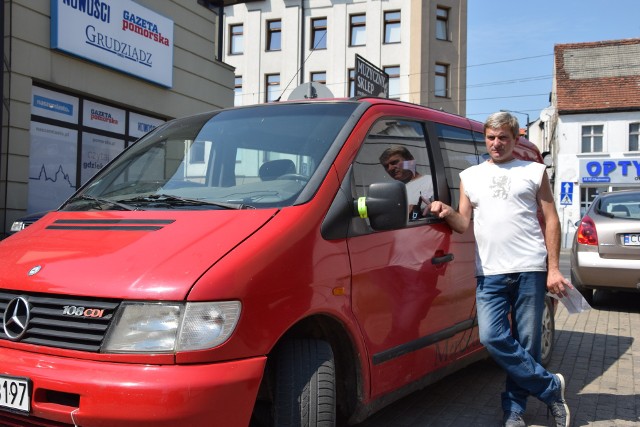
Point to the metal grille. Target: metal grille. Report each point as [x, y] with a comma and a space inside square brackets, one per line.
[50, 326]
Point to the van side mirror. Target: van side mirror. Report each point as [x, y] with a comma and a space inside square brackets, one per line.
[385, 205]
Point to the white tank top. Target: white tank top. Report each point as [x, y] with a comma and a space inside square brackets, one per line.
[509, 238]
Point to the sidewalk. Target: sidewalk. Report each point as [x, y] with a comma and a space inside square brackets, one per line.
[595, 351]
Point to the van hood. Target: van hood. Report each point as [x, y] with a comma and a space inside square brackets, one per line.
[147, 255]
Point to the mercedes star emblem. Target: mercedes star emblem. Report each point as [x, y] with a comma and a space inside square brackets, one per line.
[16, 318]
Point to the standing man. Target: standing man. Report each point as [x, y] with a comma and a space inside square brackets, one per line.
[517, 262]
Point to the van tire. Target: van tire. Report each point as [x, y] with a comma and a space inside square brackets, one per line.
[305, 385]
[548, 332]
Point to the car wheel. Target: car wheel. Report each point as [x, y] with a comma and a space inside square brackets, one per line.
[548, 331]
[305, 385]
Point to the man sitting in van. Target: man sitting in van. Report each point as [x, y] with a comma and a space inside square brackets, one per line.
[400, 164]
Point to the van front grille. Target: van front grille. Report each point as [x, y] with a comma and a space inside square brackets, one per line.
[55, 321]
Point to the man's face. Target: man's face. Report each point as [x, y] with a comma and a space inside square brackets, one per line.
[500, 143]
[394, 167]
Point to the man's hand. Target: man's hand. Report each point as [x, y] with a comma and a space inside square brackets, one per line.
[439, 209]
[556, 283]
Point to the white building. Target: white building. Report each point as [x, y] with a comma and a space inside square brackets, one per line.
[278, 45]
[593, 126]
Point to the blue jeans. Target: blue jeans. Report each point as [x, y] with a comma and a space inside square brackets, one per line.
[516, 346]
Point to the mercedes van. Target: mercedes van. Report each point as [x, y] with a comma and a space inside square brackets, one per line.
[257, 265]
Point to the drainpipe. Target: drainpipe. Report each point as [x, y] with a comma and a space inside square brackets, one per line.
[302, 43]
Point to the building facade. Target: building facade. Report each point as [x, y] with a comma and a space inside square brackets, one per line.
[82, 80]
[276, 46]
[593, 125]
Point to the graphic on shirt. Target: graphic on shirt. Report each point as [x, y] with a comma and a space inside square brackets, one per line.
[500, 186]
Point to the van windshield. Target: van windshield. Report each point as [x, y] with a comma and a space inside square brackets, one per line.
[253, 157]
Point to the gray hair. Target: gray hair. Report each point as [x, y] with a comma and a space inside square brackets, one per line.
[500, 119]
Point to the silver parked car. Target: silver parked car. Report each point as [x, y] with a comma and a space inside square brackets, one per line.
[606, 246]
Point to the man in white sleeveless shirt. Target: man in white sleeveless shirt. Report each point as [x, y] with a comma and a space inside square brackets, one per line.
[517, 262]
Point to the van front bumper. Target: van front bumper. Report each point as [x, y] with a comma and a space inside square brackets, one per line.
[91, 393]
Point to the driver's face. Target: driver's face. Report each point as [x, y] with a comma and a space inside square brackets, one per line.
[394, 167]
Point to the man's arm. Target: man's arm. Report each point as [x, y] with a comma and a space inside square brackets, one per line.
[458, 220]
[555, 280]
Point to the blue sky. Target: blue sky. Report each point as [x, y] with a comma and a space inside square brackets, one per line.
[511, 42]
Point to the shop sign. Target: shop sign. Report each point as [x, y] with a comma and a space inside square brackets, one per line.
[103, 117]
[610, 171]
[120, 34]
[54, 105]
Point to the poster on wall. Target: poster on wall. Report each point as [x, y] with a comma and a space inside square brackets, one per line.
[120, 34]
[54, 105]
[97, 151]
[140, 124]
[103, 117]
[52, 166]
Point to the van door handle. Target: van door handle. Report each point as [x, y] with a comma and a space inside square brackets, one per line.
[442, 259]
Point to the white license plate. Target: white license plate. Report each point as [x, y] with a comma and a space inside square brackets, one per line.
[15, 394]
[631, 239]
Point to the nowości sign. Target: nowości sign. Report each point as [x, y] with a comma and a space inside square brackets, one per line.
[370, 80]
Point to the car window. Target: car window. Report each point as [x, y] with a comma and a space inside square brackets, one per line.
[396, 149]
[624, 205]
[460, 149]
[256, 157]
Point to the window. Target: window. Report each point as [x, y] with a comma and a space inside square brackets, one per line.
[392, 27]
[272, 83]
[587, 195]
[237, 89]
[634, 136]
[351, 78]
[592, 139]
[394, 81]
[460, 149]
[319, 77]
[274, 35]
[442, 23]
[396, 150]
[236, 39]
[319, 33]
[441, 83]
[358, 30]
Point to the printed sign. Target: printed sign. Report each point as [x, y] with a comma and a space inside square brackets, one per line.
[120, 34]
[140, 125]
[610, 171]
[103, 117]
[370, 80]
[54, 105]
[566, 193]
[97, 151]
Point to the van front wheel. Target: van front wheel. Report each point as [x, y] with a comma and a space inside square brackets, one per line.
[305, 385]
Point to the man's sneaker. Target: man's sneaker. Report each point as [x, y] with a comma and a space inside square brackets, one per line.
[559, 408]
[513, 419]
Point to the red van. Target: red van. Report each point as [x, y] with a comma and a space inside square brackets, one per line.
[251, 266]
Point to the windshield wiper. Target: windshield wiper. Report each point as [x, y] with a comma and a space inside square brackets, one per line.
[103, 202]
[174, 201]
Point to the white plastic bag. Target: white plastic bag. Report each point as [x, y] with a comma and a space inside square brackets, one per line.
[574, 302]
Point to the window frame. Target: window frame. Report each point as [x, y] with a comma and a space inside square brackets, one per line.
[357, 28]
[351, 82]
[634, 136]
[234, 38]
[271, 35]
[237, 90]
[394, 80]
[442, 23]
[269, 85]
[318, 41]
[313, 77]
[592, 138]
[388, 22]
[438, 75]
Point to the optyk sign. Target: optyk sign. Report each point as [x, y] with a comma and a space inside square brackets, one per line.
[613, 171]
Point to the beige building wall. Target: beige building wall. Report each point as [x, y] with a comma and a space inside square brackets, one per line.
[200, 82]
[416, 54]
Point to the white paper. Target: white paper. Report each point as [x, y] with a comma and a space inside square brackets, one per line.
[574, 302]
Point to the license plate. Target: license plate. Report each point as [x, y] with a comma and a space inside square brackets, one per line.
[15, 394]
[632, 239]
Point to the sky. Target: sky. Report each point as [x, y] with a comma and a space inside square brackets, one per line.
[510, 47]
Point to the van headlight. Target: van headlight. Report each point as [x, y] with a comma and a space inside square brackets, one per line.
[141, 327]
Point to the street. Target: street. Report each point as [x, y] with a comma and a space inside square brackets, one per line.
[595, 351]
